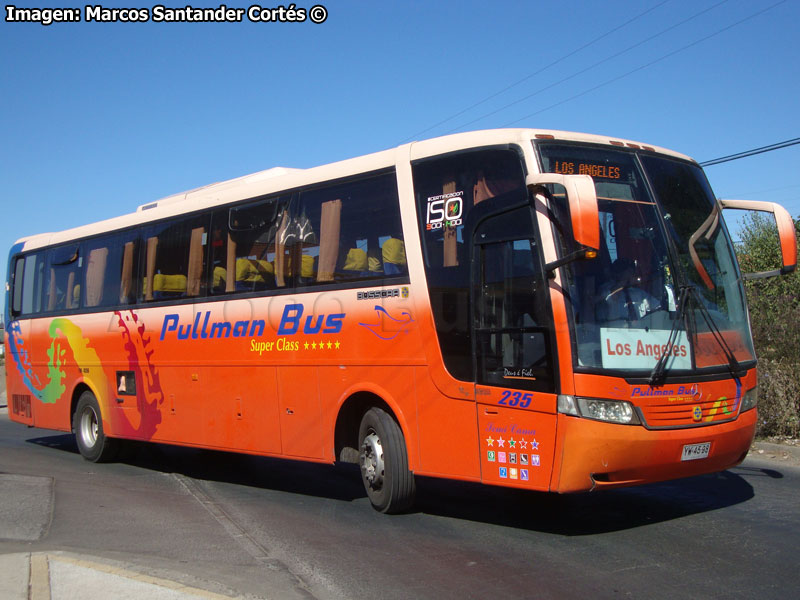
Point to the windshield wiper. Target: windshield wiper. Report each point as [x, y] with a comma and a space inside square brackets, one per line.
[733, 364]
[660, 368]
[687, 291]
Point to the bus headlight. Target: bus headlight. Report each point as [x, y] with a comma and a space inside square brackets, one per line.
[613, 411]
[750, 399]
[610, 411]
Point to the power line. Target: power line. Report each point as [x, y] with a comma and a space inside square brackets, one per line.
[591, 67]
[752, 152]
[529, 76]
[647, 65]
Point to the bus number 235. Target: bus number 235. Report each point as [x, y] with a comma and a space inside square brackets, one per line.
[510, 398]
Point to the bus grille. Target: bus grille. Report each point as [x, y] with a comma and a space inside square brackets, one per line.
[663, 414]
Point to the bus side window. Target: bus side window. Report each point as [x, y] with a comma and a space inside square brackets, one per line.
[28, 284]
[244, 245]
[16, 299]
[360, 232]
[175, 259]
[111, 266]
[63, 287]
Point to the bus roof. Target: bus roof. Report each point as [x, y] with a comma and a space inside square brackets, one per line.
[276, 179]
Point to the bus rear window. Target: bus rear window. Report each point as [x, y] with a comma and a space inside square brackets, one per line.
[28, 284]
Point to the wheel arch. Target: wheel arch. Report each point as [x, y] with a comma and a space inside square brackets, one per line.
[81, 387]
[348, 421]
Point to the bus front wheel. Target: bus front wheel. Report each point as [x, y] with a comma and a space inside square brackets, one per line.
[384, 462]
[87, 423]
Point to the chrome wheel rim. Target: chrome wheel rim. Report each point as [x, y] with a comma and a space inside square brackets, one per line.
[89, 427]
[371, 459]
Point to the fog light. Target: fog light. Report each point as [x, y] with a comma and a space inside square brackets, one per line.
[750, 399]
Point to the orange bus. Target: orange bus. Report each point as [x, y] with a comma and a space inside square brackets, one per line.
[535, 309]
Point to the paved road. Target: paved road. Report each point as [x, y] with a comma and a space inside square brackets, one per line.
[254, 527]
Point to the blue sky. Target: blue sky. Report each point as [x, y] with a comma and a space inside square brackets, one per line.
[98, 118]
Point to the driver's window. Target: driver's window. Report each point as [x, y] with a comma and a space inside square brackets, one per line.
[512, 332]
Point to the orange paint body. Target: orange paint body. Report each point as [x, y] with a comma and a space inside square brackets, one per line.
[280, 395]
[276, 370]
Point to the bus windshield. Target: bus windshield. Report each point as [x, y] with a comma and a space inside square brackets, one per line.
[665, 280]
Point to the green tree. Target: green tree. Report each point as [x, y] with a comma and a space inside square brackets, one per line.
[774, 305]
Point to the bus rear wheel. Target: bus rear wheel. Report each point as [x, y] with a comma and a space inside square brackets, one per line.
[384, 463]
[87, 423]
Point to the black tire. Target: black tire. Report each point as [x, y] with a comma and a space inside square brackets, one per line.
[383, 459]
[87, 424]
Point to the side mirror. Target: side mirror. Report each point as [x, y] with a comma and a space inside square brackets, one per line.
[786, 233]
[582, 199]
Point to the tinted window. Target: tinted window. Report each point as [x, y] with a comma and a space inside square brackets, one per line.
[111, 270]
[244, 244]
[28, 284]
[451, 193]
[350, 231]
[175, 259]
[339, 232]
[19, 269]
[63, 289]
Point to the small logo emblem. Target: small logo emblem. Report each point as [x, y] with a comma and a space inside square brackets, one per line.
[490, 456]
[697, 413]
[523, 474]
[504, 472]
[501, 457]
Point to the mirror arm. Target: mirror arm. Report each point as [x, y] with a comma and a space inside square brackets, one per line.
[582, 254]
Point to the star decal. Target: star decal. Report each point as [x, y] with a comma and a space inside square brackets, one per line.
[512, 443]
[305, 345]
[501, 442]
[490, 441]
[313, 345]
[523, 444]
[330, 345]
[336, 344]
[534, 444]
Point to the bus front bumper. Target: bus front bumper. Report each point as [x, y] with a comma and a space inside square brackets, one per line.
[593, 455]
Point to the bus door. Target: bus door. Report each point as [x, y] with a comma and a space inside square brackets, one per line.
[513, 352]
[26, 299]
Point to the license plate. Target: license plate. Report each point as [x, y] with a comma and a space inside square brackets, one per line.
[696, 451]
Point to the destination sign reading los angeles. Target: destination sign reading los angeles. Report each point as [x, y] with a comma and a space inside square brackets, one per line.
[96, 13]
[583, 168]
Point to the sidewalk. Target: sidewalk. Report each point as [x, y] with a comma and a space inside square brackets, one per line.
[60, 576]
[786, 453]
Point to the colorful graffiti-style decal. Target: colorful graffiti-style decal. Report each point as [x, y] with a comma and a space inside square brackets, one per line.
[150, 396]
[85, 356]
[722, 404]
[22, 358]
[66, 337]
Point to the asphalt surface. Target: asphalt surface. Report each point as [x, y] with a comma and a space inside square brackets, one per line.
[185, 523]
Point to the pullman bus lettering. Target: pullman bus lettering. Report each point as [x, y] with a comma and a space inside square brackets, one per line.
[291, 323]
